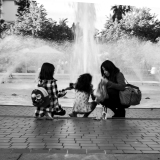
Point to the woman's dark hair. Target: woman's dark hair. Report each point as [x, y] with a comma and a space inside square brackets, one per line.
[84, 83]
[111, 68]
[47, 71]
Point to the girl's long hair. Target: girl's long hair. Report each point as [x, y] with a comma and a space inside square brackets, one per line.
[84, 83]
[47, 71]
[111, 68]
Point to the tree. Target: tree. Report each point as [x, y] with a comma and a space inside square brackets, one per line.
[6, 28]
[23, 6]
[139, 23]
[29, 23]
[2, 27]
[34, 22]
[51, 30]
[119, 11]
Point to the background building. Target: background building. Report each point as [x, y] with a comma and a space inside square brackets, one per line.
[8, 10]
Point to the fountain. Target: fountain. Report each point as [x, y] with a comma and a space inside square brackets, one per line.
[85, 52]
[133, 57]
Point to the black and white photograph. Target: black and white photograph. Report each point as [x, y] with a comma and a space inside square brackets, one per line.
[79, 80]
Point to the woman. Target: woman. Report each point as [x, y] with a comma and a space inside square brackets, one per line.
[115, 82]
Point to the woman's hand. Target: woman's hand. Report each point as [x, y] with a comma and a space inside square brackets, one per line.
[104, 80]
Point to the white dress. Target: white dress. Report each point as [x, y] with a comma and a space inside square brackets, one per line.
[81, 103]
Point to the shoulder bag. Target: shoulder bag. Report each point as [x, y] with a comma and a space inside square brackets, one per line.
[131, 95]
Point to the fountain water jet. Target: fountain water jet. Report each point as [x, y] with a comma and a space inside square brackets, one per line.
[85, 52]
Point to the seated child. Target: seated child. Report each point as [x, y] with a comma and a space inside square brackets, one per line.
[83, 90]
[47, 81]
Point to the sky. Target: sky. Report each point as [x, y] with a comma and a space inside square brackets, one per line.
[61, 9]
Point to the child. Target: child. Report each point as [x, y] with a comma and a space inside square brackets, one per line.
[47, 81]
[83, 90]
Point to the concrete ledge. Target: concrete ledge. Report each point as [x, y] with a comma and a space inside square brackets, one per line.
[28, 112]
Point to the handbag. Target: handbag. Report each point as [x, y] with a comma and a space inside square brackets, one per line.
[101, 92]
[130, 96]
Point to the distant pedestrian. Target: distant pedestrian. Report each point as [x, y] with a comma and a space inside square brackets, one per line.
[83, 90]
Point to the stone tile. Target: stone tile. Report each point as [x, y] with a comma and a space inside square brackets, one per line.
[7, 146]
[90, 147]
[76, 151]
[11, 156]
[20, 150]
[93, 151]
[76, 144]
[84, 142]
[88, 144]
[36, 147]
[149, 152]
[53, 144]
[58, 151]
[55, 147]
[72, 147]
[143, 148]
[18, 147]
[132, 151]
[107, 147]
[116, 151]
[39, 150]
[2, 150]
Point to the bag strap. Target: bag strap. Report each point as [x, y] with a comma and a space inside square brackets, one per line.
[131, 85]
[126, 80]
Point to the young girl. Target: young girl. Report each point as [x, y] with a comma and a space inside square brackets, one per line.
[47, 81]
[83, 90]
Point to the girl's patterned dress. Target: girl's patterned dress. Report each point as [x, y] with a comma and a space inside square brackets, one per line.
[51, 87]
[81, 104]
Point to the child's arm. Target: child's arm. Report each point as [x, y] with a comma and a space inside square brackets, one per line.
[71, 86]
[63, 92]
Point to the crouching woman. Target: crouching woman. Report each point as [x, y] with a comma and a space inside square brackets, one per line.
[115, 82]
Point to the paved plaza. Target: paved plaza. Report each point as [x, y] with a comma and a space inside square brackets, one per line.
[22, 135]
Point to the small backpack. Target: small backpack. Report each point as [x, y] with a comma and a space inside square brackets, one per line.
[40, 97]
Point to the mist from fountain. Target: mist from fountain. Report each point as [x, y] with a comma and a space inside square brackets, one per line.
[134, 57]
[26, 52]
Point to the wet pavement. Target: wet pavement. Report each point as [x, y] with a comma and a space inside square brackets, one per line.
[21, 133]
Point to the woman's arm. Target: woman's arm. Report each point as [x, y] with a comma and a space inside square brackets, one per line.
[120, 85]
